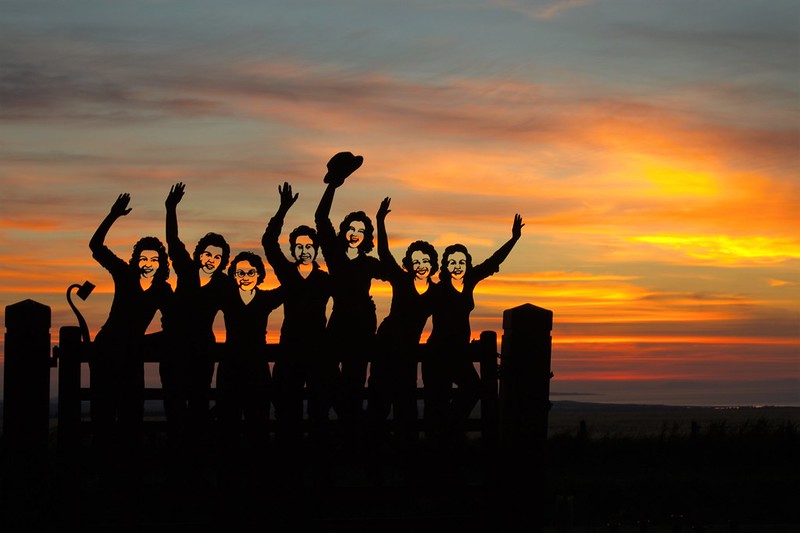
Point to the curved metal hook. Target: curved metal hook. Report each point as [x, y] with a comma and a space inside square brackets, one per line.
[83, 292]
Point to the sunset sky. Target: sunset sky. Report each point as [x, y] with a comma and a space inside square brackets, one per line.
[651, 147]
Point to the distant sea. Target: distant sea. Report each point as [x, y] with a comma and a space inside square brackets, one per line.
[601, 420]
[711, 393]
[778, 392]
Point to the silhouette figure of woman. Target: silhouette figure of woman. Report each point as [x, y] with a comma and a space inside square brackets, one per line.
[302, 359]
[352, 324]
[243, 377]
[188, 367]
[393, 372]
[448, 360]
[117, 365]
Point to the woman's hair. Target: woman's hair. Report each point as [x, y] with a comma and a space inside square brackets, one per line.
[299, 231]
[151, 243]
[213, 239]
[450, 250]
[367, 244]
[251, 258]
[426, 248]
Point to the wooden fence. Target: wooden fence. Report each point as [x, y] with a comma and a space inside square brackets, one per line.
[70, 354]
[512, 418]
[513, 403]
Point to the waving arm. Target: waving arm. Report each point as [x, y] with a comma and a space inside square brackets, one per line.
[171, 203]
[384, 253]
[340, 166]
[492, 264]
[269, 240]
[516, 232]
[287, 199]
[119, 209]
[323, 213]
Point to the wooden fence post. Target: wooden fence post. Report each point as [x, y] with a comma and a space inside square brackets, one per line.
[69, 354]
[26, 417]
[26, 380]
[488, 366]
[524, 406]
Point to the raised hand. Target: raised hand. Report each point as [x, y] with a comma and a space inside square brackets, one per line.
[175, 194]
[384, 210]
[341, 166]
[120, 207]
[285, 192]
[516, 229]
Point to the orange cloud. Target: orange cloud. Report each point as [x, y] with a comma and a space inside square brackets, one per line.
[782, 283]
[31, 224]
[728, 250]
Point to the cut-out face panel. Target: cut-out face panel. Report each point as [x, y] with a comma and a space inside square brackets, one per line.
[210, 259]
[355, 233]
[246, 276]
[421, 263]
[148, 263]
[456, 265]
[304, 250]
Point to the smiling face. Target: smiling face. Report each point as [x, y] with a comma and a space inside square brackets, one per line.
[210, 259]
[304, 250]
[148, 263]
[246, 276]
[456, 265]
[421, 263]
[355, 233]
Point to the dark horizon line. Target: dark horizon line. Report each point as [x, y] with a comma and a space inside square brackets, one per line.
[590, 405]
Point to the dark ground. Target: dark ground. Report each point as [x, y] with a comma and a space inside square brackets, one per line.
[651, 469]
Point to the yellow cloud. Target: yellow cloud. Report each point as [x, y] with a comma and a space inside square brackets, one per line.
[677, 182]
[726, 249]
[781, 283]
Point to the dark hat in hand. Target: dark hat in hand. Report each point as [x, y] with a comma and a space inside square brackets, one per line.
[342, 165]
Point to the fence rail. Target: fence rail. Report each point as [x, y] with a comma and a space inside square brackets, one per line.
[71, 354]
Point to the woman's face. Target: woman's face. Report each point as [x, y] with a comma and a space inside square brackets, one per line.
[304, 250]
[421, 263]
[456, 265]
[210, 259]
[355, 234]
[246, 276]
[148, 263]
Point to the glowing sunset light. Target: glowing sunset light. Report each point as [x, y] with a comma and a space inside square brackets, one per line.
[657, 182]
[676, 182]
[29, 225]
[726, 249]
[566, 339]
[623, 377]
[781, 282]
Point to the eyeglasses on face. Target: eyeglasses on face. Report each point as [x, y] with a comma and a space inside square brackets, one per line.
[245, 273]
